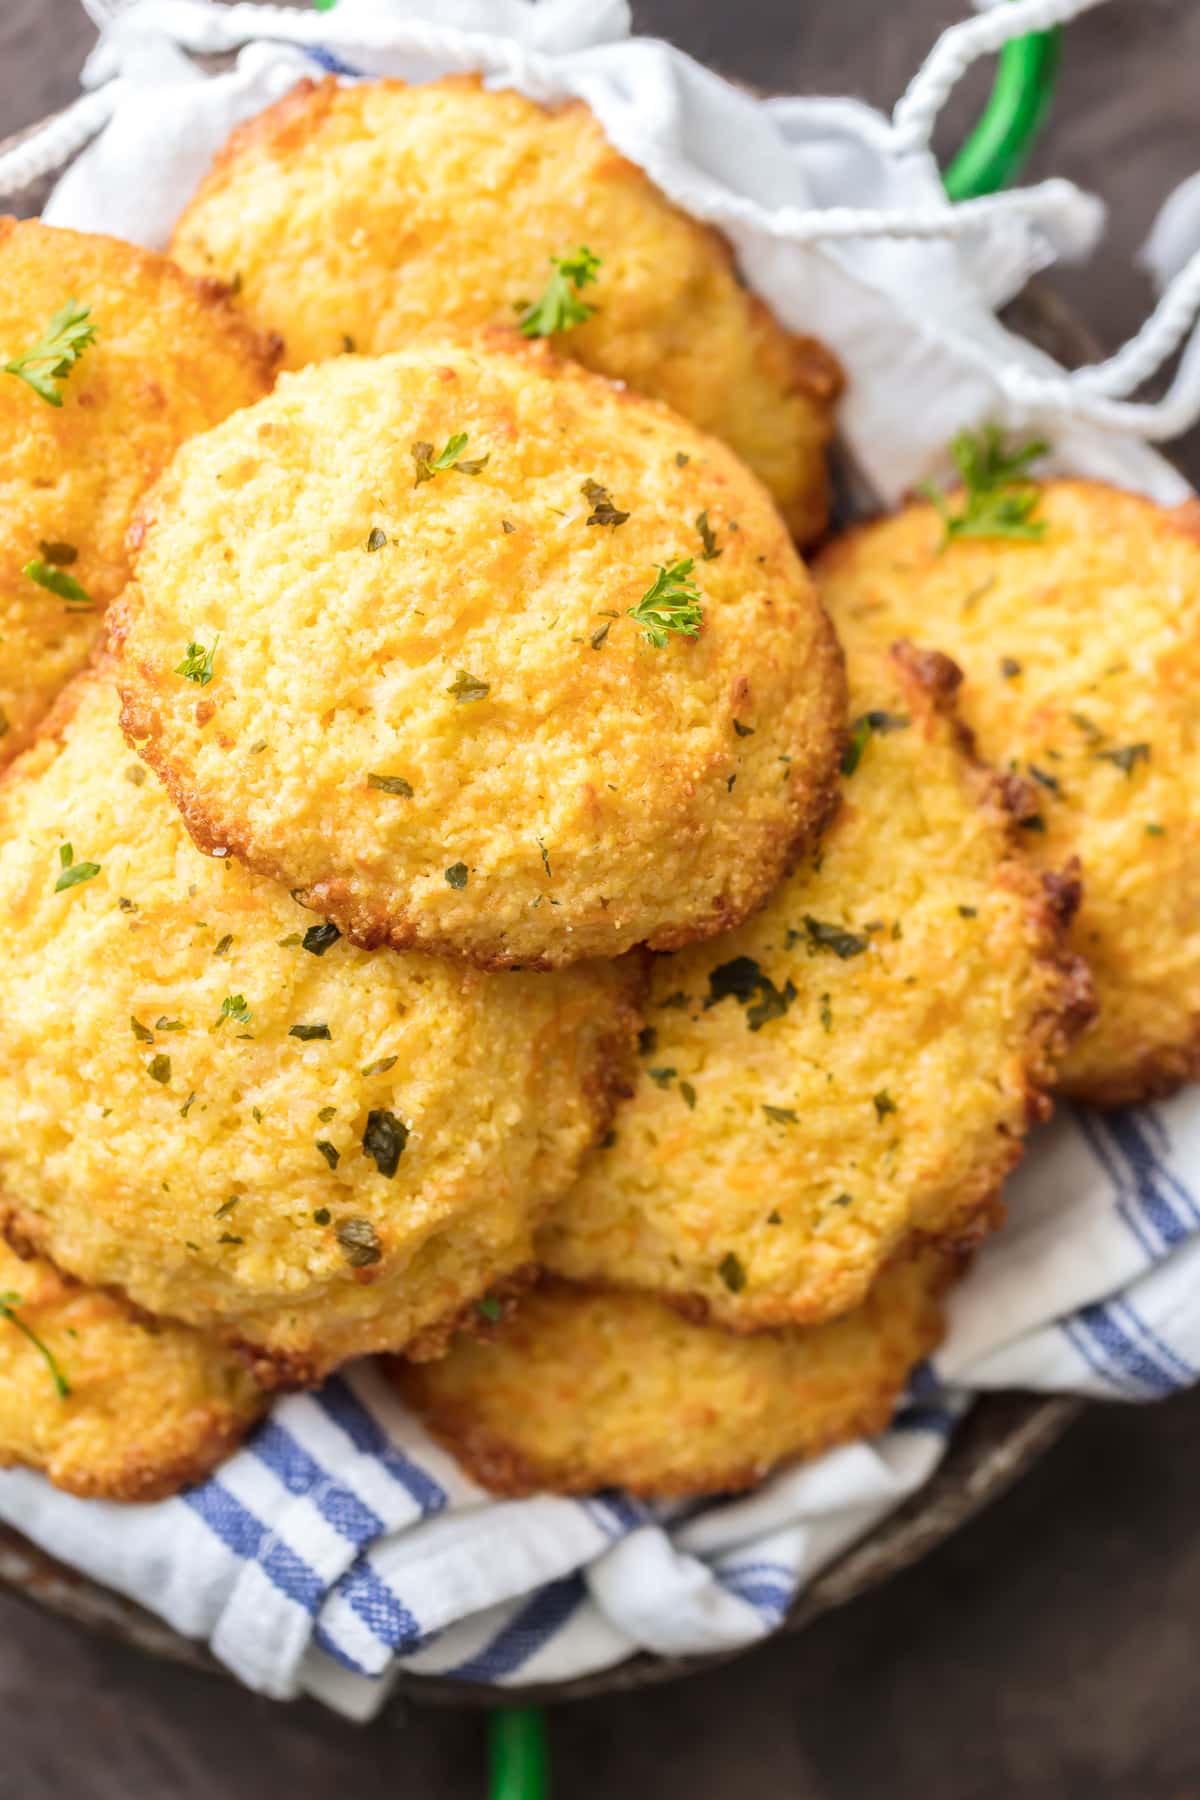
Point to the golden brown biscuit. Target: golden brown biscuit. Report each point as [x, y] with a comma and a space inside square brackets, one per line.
[107, 1402]
[353, 217]
[405, 680]
[1081, 652]
[169, 358]
[211, 1103]
[581, 1390]
[857, 1064]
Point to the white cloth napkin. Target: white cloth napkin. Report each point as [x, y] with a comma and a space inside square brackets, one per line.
[342, 1544]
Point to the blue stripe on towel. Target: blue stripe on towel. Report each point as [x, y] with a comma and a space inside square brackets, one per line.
[1186, 1371]
[377, 1605]
[339, 1403]
[524, 1635]
[327, 59]
[302, 1474]
[767, 1587]
[1151, 1176]
[240, 1531]
[1122, 1354]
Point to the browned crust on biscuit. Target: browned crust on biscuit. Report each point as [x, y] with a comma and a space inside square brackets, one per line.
[501, 1467]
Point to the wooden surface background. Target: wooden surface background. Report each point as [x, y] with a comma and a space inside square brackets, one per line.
[1052, 1650]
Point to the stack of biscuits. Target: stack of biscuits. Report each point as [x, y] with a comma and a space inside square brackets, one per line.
[472, 893]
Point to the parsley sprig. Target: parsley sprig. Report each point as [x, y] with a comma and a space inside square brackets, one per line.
[451, 457]
[46, 364]
[9, 1303]
[197, 664]
[558, 307]
[999, 499]
[670, 604]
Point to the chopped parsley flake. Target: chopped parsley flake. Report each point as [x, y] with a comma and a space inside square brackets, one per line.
[377, 540]
[688, 1093]
[999, 498]
[883, 1103]
[826, 1013]
[9, 1303]
[545, 859]
[227, 1237]
[743, 730]
[234, 1007]
[391, 784]
[451, 457]
[318, 938]
[333, 1157]
[1043, 779]
[380, 1067]
[384, 1140]
[774, 1218]
[662, 1077]
[844, 944]
[224, 945]
[61, 555]
[671, 604]
[742, 980]
[1126, 758]
[359, 1244]
[968, 912]
[140, 1031]
[197, 664]
[186, 1108]
[226, 1207]
[603, 511]
[732, 1272]
[558, 307]
[323, 1215]
[326, 1113]
[159, 1069]
[307, 1033]
[48, 362]
[56, 581]
[781, 1115]
[598, 636]
[71, 873]
[490, 1308]
[1010, 668]
[1156, 831]
[466, 688]
[708, 538]
[457, 875]
[861, 730]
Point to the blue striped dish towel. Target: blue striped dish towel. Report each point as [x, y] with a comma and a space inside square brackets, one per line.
[342, 1544]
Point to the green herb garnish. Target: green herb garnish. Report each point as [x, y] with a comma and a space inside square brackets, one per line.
[732, 1272]
[159, 1069]
[742, 980]
[391, 784]
[842, 943]
[670, 605]
[140, 1031]
[860, 731]
[489, 1308]
[333, 1157]
[55, 581]
[48, 362]
[688, 1094]
[781, 1115]
[359, 1244]
[308, 1033]
[708, 537]
[451, 457]
[318, 938]
[466, 687]
[883, 1103]
[381, 1067]
[603, 511]
[999, 499]
[197, 664]
[72, 873]
[8, 1310]
[558, 307]
[234, 1007]
[376, 539]
[384, 1140]
[457, 875]
[1126, 758]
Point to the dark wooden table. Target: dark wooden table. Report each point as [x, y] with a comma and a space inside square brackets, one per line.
[1052, 1650]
